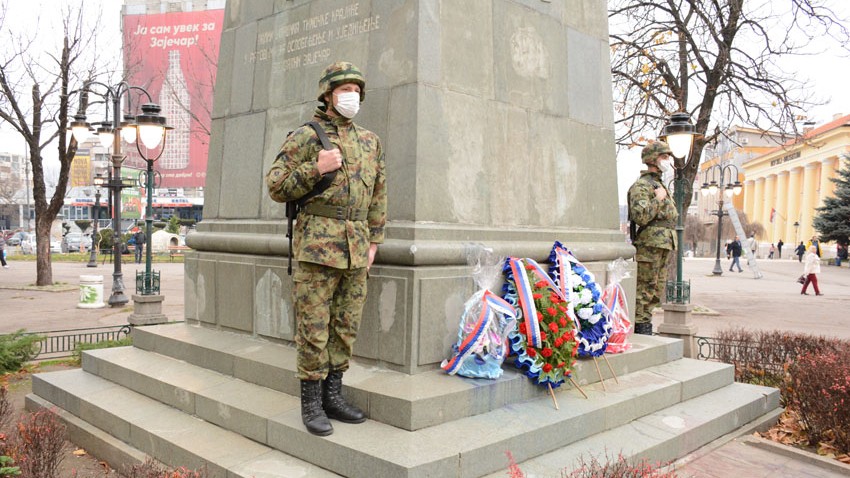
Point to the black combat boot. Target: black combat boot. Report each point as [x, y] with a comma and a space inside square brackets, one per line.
[335, 405]
[643, 328]
[312, 415]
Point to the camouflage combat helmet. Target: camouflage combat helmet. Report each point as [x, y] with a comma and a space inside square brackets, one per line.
[338, 73]
[653, 150]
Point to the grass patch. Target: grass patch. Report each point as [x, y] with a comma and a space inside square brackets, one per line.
[77, 356]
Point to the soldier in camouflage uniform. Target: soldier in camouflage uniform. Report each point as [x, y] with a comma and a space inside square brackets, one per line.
[653, 211]
[336, 239]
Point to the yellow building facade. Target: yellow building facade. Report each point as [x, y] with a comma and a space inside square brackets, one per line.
[785, 185]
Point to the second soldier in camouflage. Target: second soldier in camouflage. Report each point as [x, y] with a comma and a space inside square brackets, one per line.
[653, 211]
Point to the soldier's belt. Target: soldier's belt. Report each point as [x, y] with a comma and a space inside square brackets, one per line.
[665, 224]
[337, 212]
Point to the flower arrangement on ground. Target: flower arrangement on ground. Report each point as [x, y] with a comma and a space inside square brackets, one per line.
[578, 285]
[544, 341]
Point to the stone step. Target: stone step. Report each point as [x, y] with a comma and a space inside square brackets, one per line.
[667, 435]
[273, 418]
[409, 402]
[136, 426]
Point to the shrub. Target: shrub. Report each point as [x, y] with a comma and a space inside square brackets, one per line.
[818, 387]
[38, 447]
[149, 469]
[17, 348]
[760, 356]
[6, 470]
[173, 225]
[77, 355]
[618, 467]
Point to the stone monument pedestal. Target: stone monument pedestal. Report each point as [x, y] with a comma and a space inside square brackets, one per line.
[678, 324]
[147, 310]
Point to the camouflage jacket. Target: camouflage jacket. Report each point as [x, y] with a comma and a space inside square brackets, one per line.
[360, 184]
[655, 219]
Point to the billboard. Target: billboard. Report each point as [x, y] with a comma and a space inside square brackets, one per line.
[173, 56]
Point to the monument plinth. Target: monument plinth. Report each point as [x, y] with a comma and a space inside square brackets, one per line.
[497, 124]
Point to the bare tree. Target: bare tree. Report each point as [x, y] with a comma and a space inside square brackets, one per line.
[37, 89]
[716, 60]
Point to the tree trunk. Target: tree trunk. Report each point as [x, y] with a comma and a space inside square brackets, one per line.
[43, 267]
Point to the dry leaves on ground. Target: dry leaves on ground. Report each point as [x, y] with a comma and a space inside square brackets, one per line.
[789, 431]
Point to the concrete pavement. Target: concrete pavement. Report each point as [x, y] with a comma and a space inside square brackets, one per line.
[25, 307]
[732, 299]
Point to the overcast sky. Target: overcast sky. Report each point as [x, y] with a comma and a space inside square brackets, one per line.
[827, 73]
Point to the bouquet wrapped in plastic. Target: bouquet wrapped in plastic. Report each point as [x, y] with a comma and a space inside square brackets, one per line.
[487, 319]
[616, 307]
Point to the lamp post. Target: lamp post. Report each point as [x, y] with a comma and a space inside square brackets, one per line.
[98, 182]
[679, 134]
[726, 189]
[151, 131]
[796, 235]
[110, 134]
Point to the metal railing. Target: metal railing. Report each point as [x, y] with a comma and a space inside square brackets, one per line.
[62, 343]
[749, 359]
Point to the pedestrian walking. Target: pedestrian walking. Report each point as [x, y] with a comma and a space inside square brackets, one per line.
[335, 239]
[811, 269]
[772, 251]
[139, 239]
[653, 215]
[3, 251]
[754, 245]
[735, 249]
[779, 248]
[800, 250]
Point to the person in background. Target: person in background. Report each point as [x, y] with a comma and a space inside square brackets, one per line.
[3, 252]
[754, 245]
[840, 254]
[772, 251]
[139, 238]
[814, 242]
[779, 248]
[735, 249]
[811, 269]
[800, 250]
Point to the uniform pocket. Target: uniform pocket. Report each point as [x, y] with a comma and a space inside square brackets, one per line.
[302, 276]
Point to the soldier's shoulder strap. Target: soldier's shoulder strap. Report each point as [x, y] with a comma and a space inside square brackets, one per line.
[328, 178]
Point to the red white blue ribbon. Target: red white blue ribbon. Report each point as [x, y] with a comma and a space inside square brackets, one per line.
[492, 304]
[526, 302]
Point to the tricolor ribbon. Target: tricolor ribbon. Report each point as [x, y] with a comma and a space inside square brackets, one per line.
[492, 304]
[526, 302]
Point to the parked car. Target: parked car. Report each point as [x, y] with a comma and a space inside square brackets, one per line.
[14, 239]
[28, 245]
[74, 240]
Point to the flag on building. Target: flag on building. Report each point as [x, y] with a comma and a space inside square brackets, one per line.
[772, 214]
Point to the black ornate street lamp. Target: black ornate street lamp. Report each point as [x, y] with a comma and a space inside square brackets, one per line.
[679, 133]
[726, 188]
[110, 134]
[151, 129]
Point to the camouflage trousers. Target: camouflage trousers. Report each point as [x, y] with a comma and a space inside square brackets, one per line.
[328, 306]
[652, 265]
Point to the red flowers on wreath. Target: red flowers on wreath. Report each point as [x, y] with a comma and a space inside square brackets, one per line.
[549, 362]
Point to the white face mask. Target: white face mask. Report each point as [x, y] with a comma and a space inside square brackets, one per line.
[347, 104]
[666, 166]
